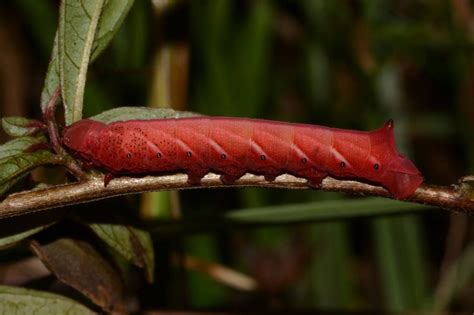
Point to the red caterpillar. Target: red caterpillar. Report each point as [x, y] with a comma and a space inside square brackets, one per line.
[234, 146]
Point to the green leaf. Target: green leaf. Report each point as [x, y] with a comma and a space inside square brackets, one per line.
[15, 229]
[26, 301]
[131, 113]
[324, 210]
[21, 126]
[21, 236]
[15, 163]
[133, 244]
[21, 163]
[14, 168]
[78, 24]
[18, 146]
[85, 29]
[114, 12]
[78, 264]
[328, 210]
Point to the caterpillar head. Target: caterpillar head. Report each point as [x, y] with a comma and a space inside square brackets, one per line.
[401, 177]
[393, 170]
[81, 135]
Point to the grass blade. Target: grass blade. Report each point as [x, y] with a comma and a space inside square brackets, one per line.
[324, 210]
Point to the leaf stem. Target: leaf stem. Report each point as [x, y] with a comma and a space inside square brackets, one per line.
[50, 119]
[61, 158]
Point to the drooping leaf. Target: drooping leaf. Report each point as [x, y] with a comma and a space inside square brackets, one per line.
[21, 126]
[147, 254]
[131, 243]
[130, 113]
[21, 236]
[26, 301]
[15, 229]
[79, 265]
[85, 29]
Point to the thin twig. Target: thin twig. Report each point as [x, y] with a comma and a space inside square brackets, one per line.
[92, 188]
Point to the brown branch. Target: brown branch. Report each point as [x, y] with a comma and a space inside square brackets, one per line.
[92, 188]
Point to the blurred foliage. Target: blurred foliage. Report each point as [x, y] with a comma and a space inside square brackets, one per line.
[348, 64]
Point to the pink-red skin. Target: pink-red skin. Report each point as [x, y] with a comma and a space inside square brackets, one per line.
[234, 146]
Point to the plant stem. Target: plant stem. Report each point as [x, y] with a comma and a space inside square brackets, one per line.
[92, 188]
